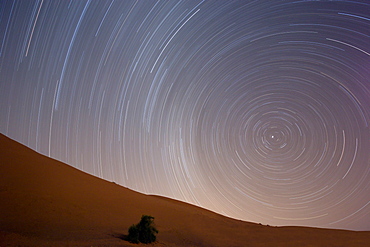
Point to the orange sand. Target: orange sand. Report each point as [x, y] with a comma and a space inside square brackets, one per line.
[44, 202]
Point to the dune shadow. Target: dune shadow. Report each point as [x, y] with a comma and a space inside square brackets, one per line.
[120, 236]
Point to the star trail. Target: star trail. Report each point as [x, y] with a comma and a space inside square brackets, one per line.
[258, 110]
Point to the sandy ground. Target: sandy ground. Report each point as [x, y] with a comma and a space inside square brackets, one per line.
[44, 202]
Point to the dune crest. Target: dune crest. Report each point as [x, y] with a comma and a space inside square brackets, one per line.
[45, 202]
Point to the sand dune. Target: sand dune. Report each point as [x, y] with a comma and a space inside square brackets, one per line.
[47, 203]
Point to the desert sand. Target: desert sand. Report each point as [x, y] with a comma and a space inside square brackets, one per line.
[45, 202]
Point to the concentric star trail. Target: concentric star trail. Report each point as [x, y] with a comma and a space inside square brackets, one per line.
[258, 110]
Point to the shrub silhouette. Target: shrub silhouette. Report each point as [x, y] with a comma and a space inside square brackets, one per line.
[133, 234]
[144, 231]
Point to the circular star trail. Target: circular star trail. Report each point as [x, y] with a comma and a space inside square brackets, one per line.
[258, 110]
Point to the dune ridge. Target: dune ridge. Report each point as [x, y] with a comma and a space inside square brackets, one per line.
[45, 202]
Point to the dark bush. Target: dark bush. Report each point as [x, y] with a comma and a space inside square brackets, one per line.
[144, 231]
[133, 234]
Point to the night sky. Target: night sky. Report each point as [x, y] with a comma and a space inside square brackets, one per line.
[258, 110]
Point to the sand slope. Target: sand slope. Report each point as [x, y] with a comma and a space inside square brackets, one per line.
[44, 202]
